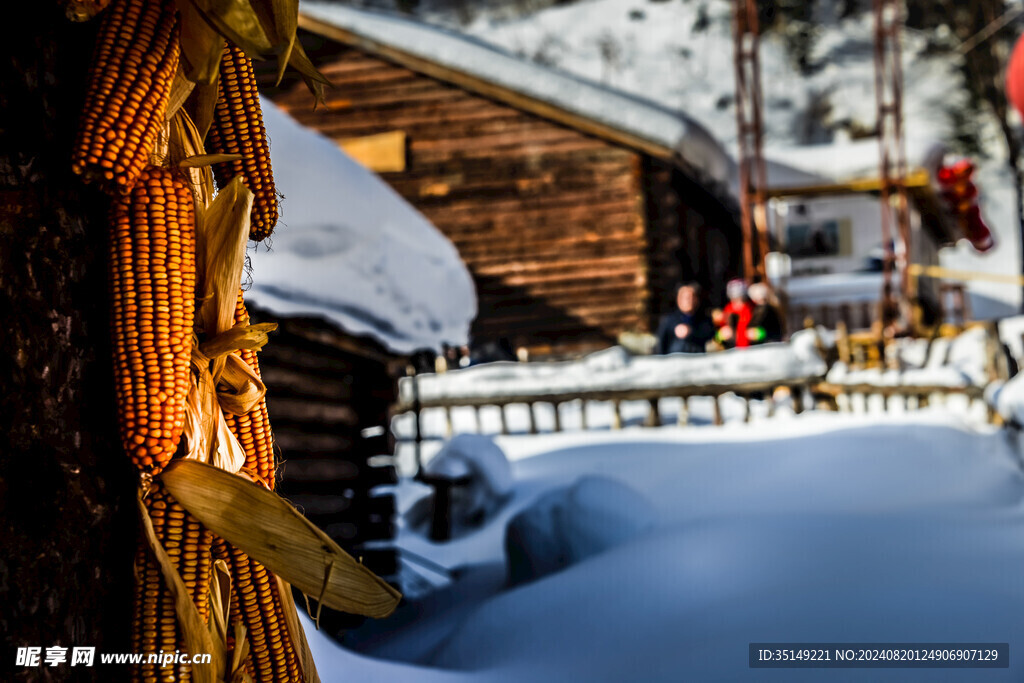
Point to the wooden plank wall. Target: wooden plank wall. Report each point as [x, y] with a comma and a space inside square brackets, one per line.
[549, 220]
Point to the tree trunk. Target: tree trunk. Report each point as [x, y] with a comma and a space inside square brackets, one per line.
[67, 515]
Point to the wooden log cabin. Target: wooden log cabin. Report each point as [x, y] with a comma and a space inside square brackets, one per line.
[577, 208]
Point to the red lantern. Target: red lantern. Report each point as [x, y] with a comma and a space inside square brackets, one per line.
[1015, 76]
[961, 194]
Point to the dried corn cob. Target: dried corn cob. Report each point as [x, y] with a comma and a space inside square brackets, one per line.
[253, 429]
[188, 543]
[130, 84]
[256, 603]
[152, 605]
[238, 129]
[153, 283]
[155, 622]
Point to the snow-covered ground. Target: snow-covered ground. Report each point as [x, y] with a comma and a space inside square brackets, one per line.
[350, 250]
[822, 527]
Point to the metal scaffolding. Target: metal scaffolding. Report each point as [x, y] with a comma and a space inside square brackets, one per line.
[888, 15]
[753, 205]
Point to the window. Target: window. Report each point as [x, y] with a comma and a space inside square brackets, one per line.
[821, 238]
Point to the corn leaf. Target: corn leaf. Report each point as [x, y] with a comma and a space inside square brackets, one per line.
[237, 21]
[249, 337]
[268, 529]
[202, 105]
[315, 80]
[180, 91]
[201, 44]
[295, 630]
[200, 160]
[239, 388]
[280, 20]
[220, 249]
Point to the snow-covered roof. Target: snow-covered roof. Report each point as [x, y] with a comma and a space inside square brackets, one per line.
[350, 250]
[545, 91]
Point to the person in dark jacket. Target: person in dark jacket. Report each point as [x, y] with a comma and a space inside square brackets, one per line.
[765, 322]
[687, 329]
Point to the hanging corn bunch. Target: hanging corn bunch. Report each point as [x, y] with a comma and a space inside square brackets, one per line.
[130, 83]
[153, 286]
[187, 383]
[238, 129]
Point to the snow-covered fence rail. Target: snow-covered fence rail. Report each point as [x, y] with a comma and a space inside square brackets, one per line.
[615, 376]
[921, 372]
[909, 396]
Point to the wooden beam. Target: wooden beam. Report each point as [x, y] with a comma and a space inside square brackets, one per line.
[917, 179]
[918, 270]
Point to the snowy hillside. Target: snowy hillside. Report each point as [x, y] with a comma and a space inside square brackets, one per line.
[679, 53]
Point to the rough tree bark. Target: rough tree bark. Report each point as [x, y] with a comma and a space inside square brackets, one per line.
[67, 519]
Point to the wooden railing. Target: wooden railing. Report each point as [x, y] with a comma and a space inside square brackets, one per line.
[842, 397]
[746, 391]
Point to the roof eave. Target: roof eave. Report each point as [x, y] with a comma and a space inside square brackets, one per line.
[490, 90]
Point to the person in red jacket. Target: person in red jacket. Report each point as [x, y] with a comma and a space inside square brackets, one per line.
[735, 317]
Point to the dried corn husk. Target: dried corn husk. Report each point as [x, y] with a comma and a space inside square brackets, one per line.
[268, 529]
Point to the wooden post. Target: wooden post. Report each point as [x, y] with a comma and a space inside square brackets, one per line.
[684, 410]
[843, 342]
[479, 424]
[583, 414]
[617, 415]
[798, 399]
[716, 411]
[653, 414]
[504, 419]
[746, 407]
[558, 416]
[449, 427]
[533, 418]
[417, 421]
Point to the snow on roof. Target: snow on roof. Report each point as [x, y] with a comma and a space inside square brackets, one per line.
[653, 123]
[350, 250]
